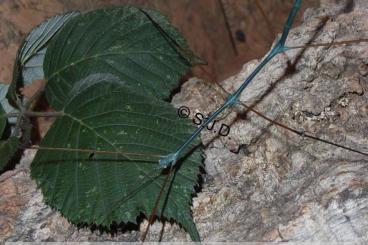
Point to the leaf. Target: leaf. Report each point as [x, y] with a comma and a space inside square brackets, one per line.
[33, 69]
[120, 41]
[3, 90]
[2, 121]
[29, 61]
[9, 146]
[7, 150]
[4, 104]
[102, 113]
[40, 35]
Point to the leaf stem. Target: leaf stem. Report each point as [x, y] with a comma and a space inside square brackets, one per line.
[35, 114]
[24, 106]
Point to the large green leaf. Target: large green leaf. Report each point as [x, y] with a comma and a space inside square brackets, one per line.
[120, 41]
[102, 113]
[7, 150]
[29, 61]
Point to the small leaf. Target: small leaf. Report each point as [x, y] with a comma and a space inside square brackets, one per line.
[33, 69]
[120, 41]
[102, 113]
[4, 104]
[7, 150]
[9, 146]
[42, 34]
[29, 61]
[2, 121]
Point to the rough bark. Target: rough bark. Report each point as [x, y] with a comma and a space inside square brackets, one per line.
[262, 183]
[266, 184]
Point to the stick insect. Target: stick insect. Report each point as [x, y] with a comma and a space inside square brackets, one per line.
[169, 162]
[170, 159]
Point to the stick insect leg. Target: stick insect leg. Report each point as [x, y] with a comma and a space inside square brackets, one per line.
[157, 203]
[139, 188]
[265, 17]
[295, 131]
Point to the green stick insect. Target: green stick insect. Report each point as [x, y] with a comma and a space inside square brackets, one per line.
[117, 148]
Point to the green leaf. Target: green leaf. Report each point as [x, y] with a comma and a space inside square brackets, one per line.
[3, 91]
[2, 121]
[120, 41]
[33, 68]
[42, 34]
[29, 61]
[102, 113]
[4, 104]
[9, 146]
[7, 150]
